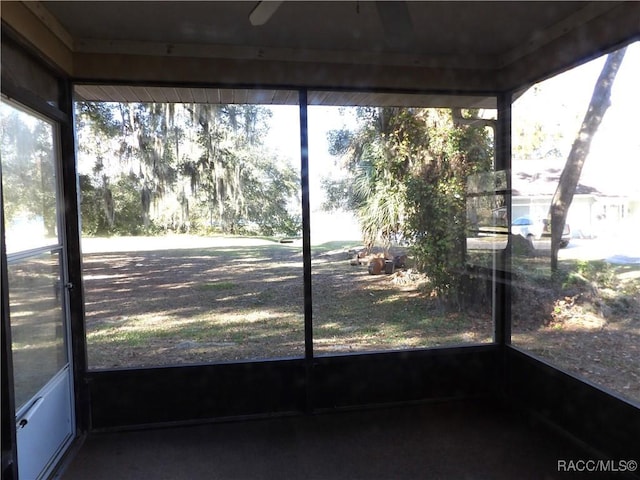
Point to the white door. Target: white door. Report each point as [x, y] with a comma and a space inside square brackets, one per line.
[37, 287]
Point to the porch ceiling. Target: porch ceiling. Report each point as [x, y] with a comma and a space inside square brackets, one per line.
[127, 93]
[463, 47]
[471, 33]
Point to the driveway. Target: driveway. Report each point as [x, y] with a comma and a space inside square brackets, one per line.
[613, 249]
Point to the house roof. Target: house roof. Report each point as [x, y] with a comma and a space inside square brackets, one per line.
[533, 178]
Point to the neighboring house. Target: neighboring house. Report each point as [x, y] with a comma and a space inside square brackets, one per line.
[596, 207]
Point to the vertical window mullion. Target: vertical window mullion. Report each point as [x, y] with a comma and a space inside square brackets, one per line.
[502, 269]
[306, 241]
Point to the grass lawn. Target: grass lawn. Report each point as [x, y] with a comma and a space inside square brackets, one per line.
[179, 301]
[227, 303]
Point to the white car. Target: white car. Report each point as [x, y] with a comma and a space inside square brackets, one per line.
[535, 230]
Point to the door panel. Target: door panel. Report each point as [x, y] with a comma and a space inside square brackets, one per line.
[36, 273]
[44, 426]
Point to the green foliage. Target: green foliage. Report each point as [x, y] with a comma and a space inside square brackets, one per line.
[380, 157]
[128, 208]
[124, 197]
[94, 221]
[408, 178]
[339, 141]
[279, 184]
[187, 168]
[99, 117]
[437, 204]
[597, 272]
[437, 224]
[339, 194]
[28, 170]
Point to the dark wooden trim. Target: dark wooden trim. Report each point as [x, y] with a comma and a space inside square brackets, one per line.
[52, 58]
[502, 277]
[299, 74]
[599, 419]
[7, 431]
[601, 35]
[70, 195]
[23, 95]
[306, 242]
[28, 99]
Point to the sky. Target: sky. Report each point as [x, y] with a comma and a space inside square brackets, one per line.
[325, 226]
[561, 103]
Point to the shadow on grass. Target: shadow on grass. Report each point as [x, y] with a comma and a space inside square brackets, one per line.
[219, 304]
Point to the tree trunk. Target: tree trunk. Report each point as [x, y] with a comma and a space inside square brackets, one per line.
[600, 101]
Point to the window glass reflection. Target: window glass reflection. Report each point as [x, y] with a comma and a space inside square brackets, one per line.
[191, 224]
[390, 264]
[29, 180]
[37, 332]
[579, 308]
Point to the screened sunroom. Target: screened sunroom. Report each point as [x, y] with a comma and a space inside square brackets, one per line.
[320, 239]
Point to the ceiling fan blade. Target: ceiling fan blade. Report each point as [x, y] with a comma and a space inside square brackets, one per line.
[263, 12]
